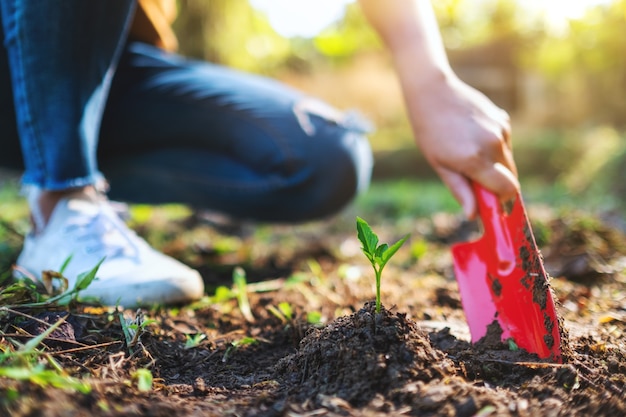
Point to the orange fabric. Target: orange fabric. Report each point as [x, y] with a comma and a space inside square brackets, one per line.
[152, 23]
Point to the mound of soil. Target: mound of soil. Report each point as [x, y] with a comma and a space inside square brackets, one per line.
[358, 356]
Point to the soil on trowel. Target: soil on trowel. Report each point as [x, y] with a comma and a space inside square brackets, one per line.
[361, 355]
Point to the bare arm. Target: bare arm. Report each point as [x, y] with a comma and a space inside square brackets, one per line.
[463, 135]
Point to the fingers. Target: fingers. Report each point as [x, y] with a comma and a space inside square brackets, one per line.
[495, 167]
[461, 189]
[498, 179]
[495, 177]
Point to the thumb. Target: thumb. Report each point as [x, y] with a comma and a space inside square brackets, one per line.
[498, 179]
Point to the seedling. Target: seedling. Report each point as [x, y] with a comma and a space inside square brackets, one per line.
[236, 344]
[133, 329]
[194, 340]
[239, 279]
[378, 255]
[143, 377]
[314, 317]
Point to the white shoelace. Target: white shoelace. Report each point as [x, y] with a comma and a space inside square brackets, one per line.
[102, 235]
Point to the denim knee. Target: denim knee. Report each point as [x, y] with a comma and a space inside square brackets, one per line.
[342, 168]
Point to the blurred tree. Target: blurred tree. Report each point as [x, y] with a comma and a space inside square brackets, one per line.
[347, 37]
[582, 72]
[229, 32]
[586, 66]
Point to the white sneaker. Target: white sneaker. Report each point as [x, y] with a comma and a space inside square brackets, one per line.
[132, 274]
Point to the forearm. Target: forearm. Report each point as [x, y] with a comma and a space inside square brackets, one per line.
[464, 136]
[410, 31]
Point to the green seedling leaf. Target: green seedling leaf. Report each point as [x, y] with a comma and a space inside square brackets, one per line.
[277, 313]
[315, 267]
[391, 250]
[314, 317]
[244, 341]
[129, 333]
[222, 294]
[144, 379]
[45, 377]
[367, 237]
[380, 251]
[512, 345]
[85, 279]
[193, 341]
[234, 345]
[239, 279]
[286, 309]
[65, 264]
[142, 325]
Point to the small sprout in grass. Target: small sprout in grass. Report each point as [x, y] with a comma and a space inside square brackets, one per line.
[194, 340]
[241, 286]
[133, 329]
[512, 345]
[279, 312]
[222, 294]
[143, 378]
[314, 317]
[378, 255]
[286, 310]
[236, 344]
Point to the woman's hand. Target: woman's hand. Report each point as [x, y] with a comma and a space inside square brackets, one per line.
[464, 136]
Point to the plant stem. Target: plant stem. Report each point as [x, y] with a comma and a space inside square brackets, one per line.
[378, 272]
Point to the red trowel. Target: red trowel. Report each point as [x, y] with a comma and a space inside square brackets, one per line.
[503, 283]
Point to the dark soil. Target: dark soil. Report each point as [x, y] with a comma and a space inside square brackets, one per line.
[412, 358]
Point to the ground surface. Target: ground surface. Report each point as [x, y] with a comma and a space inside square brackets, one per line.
[313, 346]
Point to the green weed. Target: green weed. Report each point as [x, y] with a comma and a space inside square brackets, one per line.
[24, 364]
[133, 329]
[239, 279]
[143, 378]
[236, 344]
[194, 340]
[15, 293]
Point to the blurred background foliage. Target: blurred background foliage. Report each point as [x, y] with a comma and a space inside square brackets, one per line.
[562, 81]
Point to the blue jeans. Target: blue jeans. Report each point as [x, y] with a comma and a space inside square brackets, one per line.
[79, 102]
